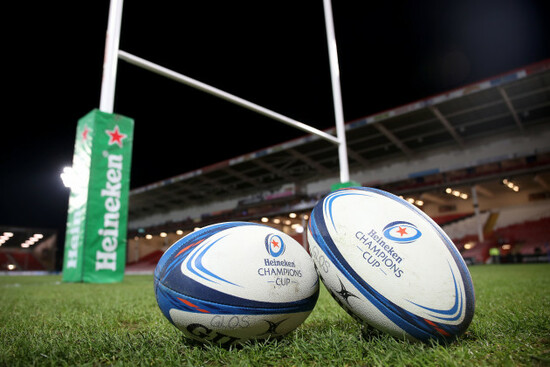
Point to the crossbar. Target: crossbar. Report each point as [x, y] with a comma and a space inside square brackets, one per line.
[157, 69]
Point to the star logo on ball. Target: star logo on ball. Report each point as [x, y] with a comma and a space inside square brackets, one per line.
[274, 245]
[402, 231]
[115, 136]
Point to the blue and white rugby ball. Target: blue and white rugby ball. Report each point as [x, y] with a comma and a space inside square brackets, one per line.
[235, 281]
[390, 266]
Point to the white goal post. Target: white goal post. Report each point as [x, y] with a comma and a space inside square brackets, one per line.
[113, 53]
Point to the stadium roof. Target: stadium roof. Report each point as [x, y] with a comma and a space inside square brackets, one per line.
[512, 102]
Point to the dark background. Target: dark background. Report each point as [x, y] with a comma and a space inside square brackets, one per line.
[273, 53]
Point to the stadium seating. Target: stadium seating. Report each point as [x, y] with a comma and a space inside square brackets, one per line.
[22, 261]
[464, 227]
[451, 218]
[524, 213]
[526, 237]
[479, 253]
[4, 261]
[522, 233]
[146, 263]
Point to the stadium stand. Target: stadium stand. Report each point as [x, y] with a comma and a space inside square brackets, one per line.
[21, 261]
[522, 213]
[145, 264]
[26, 261]
[469, 139]
[464, 227]
[448, 219]
[522, 233]
[5, 261]
[27, 249]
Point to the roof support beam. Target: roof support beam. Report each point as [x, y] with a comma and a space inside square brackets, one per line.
[394, 139]
[511, 108]
[310, 162]
[215, 184]
[357, 157]
[484, 191]
[542, 182]
[241, 176]
[272, 169]
[433, 198]
[447, 125]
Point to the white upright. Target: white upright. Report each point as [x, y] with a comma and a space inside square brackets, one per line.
[110, 62]
[336, 93]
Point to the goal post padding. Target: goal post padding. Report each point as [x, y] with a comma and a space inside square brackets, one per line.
[97, 221]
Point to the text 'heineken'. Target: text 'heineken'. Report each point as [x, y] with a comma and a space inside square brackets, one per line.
[106, 256]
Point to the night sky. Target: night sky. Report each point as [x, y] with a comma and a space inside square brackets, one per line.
[271, 53]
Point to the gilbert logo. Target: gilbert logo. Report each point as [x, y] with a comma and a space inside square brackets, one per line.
[401, 232]
[274, 245]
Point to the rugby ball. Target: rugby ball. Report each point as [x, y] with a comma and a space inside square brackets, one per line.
[390, 266]
[236, 281]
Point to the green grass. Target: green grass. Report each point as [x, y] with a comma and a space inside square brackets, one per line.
[46, 322]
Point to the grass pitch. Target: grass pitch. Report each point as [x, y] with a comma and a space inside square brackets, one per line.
[46, 322]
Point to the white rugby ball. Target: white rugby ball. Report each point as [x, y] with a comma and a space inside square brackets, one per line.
[390, 266]
[235, 281]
